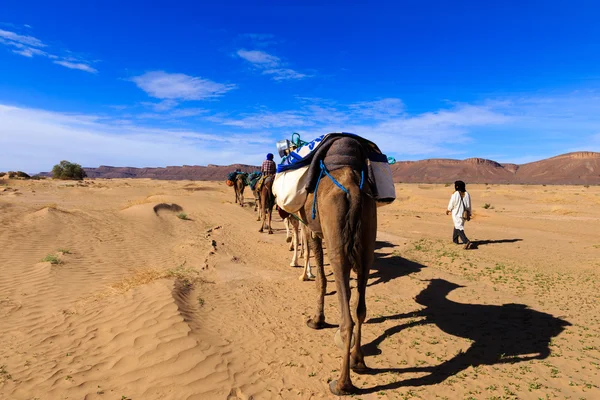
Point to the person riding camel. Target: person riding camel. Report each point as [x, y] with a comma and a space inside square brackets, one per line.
[267, 168]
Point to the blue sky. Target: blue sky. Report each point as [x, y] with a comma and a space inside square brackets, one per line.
[171, 83]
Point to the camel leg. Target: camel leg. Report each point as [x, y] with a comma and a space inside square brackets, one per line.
[263, 216]
[303, 240]
[262, 222]
[270, 214]
[357, 359]
[295, 242]
[242, 196]
[318, 321]
[288, 230]
[368, 239]
[340, 264]
[259, 207]
[307, 274]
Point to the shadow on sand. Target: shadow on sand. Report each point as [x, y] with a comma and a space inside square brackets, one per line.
[476, 243]
[510, 333]
[388, 267]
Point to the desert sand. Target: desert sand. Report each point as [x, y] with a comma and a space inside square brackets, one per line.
[131, 304]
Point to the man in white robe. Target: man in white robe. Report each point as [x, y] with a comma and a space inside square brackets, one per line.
[459, 203]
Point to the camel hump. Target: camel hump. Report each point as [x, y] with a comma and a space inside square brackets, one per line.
[345, 152]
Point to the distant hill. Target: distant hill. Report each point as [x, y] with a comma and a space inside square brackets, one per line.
[186, 172]
[573, 168]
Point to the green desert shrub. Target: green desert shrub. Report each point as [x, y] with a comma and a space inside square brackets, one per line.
[68, 170]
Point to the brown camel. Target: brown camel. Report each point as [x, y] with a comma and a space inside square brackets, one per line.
[348, 222]
[239, 184]
[267, 202]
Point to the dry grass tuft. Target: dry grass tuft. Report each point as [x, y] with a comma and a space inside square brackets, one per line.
[139, 277]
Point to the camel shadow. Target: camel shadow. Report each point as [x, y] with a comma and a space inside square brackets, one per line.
[383, 245]
[388, 267]
[476, 243]
[509, 333]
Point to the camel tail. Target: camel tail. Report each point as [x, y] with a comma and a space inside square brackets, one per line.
[352, 233]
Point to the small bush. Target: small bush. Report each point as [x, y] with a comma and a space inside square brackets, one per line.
[446, 185]
[67, 170]
[183, 216]
[21, 174]
[586, 186]
[52, 259]
[488, 205]
[38, 177]
[2, 174]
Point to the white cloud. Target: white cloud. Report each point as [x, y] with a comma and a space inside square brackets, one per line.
[379, 109]
[270, 65]
[30, 52]
[280, 74]
[79, 66]
[164, 105]
[28, 46]
[39, 139]
[381, 121]
[163, 85]
[174, 114]
[259, 58]
[22, 39]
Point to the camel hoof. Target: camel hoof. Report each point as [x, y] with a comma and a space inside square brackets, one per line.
[270, 232]
[339, 342]
[344, 391]
[304, 278]
[261, 230]
[359, 366]
[315, 325]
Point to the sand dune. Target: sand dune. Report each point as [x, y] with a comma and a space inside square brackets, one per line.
[133, 303]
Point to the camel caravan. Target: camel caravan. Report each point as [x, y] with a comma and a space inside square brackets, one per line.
[327, 191]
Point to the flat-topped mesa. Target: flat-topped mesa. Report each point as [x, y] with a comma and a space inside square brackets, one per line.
[451, 161]
[578, 155]
[483, 161]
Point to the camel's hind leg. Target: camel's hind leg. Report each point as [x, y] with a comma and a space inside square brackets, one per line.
[262, 221]
[318, 321]
[357, 360]
[295, 242]
[290, 229]
[269, 216]
[259, 207]
[303, 240]
[307, 274]
[341, 270]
